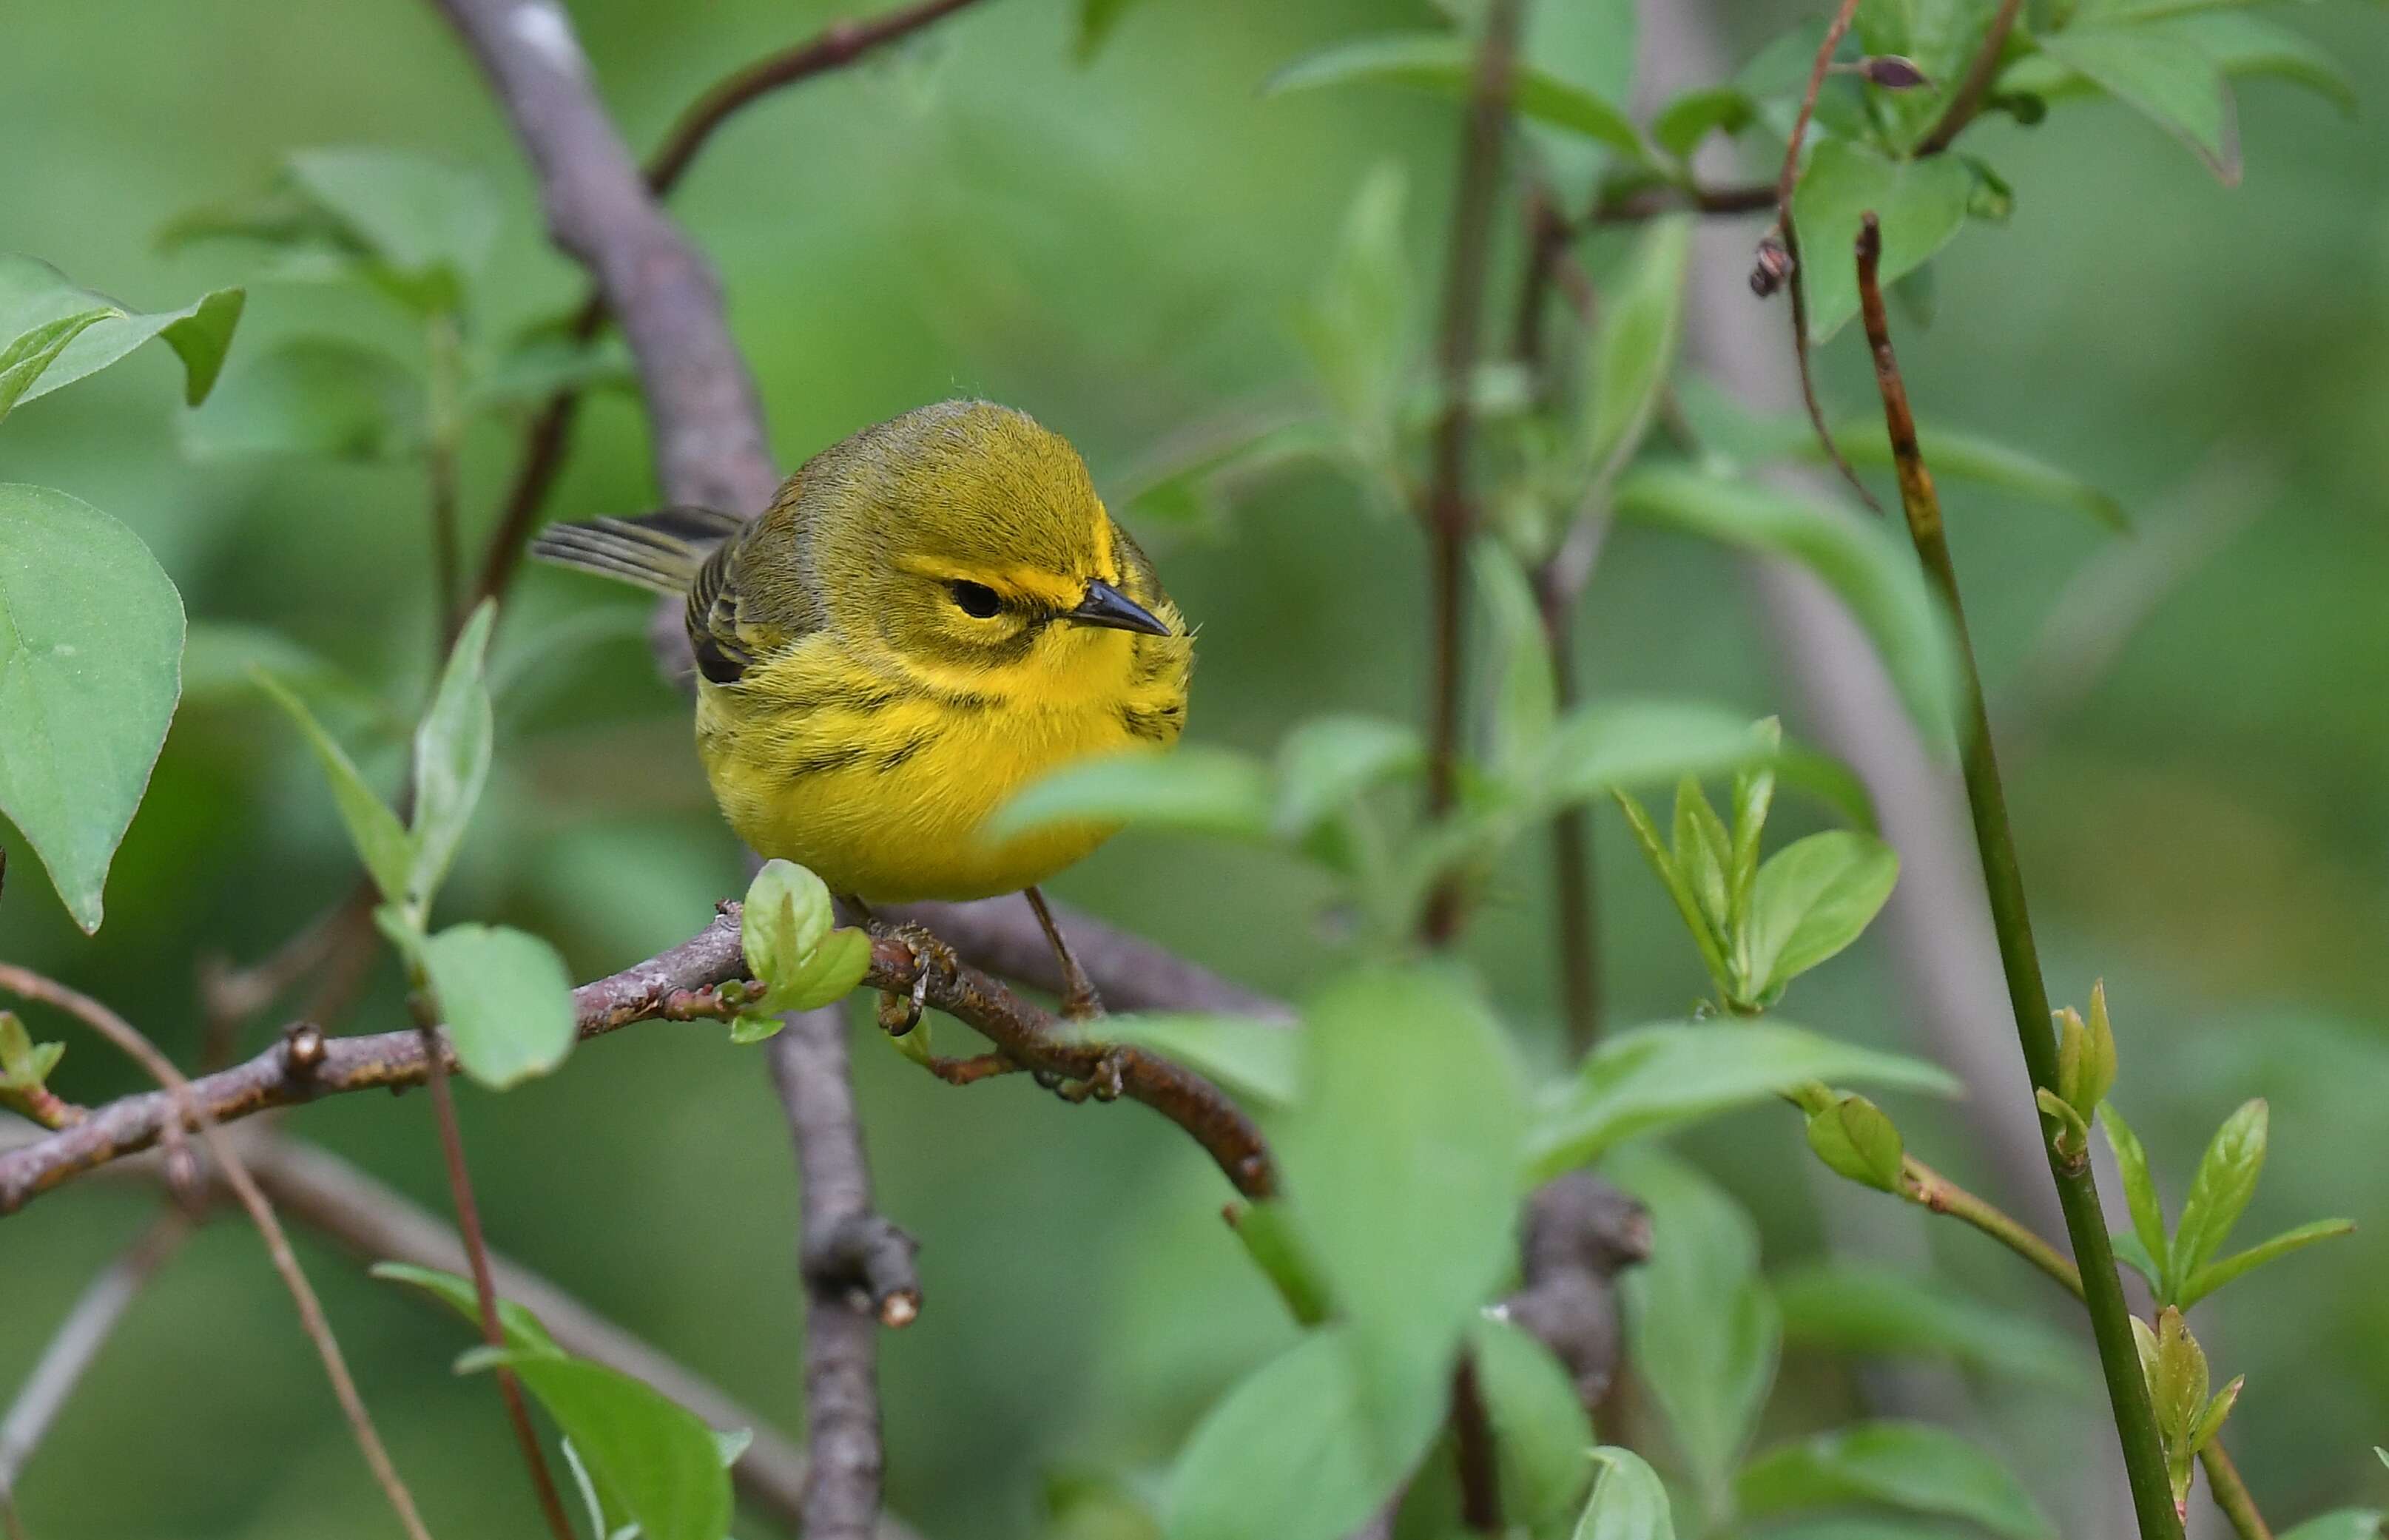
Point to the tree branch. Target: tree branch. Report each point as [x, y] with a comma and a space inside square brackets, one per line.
[1972, 90]
[305, 1065]
[858, 1272]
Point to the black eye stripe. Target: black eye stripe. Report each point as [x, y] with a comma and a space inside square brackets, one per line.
[975, 600]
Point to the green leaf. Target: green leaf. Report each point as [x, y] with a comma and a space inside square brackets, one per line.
[1445, 63]
[1328, 761]
[22, 360]
[25, 1065]
[2166, 78]
[1956, 455]
[33, 292]
[1647, 1078]
[1702, 1330]
[1271, 1240]
[1197, 789]
[1289, 1453]
[381, 842]
[318, 396]
[1812, 899]
[1541, 1431]
[1614, 744]
[1525, 699]
[1694, 116]
[786, 933]
[650, 1458]
[747, 1029]
[2220, 1191]
[2140, 1197]
[432, 225]
[1402, 1173]
[1875, 1312]
[1679, 885]
[90, 647]
[1634, 347]
[2206, 1280]
[1356, 327]
[539, 366]
[1702, 852]
[2135, 1255]
[1627, 1501]
[1872, 571]
[1096, 20]
[1857, 1140]
[1753, 796]
[1256, 1060]
[506, 1000]
[452, 758]
[2241, 45]
[523, 1330]
[1906, 1465]
[1921, 205]
[2343, 1523]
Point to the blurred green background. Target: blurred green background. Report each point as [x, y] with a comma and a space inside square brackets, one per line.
[1120, 249]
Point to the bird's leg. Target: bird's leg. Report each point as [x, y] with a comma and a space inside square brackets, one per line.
[899, 1011]
[1078, 998]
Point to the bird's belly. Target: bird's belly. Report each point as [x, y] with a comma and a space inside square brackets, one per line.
[887, 805]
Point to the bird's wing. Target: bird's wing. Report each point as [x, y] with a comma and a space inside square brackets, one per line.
[753, 597]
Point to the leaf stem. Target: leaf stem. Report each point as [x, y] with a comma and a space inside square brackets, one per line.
[1976, 87]
[2077, 1192]
[485, 1289]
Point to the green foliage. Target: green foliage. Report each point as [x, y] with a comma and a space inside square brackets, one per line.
[2187, 1418]
[1271, 1240]
[1293, 1452]
[1647, 1079]
[1257, 1061]
[1441, 63]
[1857, 1140]
[1627, 1501]
[1402, 1169]
[1198, 789]
[2346, 1523]
[1702, 1327]
[1096, 20]
[794, 948]
[1921, 205]
[23, 358]
[1872, 570]
[1875, 1312]
[34, 294]
[1356, 327]
[648, 1457]
[91, 646]
[505, 997]
[1541, 1431]
[524, 1332]
[25, 1065]
[381, 842]
[2166, 78]
[1633, 351]
[1911, 1466]
[452, 745]
[2184, 1270]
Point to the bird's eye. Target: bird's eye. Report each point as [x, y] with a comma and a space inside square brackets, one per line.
[975, 600]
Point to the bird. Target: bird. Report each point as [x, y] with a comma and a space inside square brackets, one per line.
[932, 614]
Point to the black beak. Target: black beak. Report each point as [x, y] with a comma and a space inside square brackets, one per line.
[1105, 606]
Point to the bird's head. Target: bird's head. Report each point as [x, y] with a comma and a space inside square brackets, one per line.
[967, 537]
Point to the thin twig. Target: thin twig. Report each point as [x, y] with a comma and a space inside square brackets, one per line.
[78, 1341]
[1974, 88]
[485, 1291]
[2127, 1389]
[1449, 510]
[1785, 180]
[1650, 202]
[189, 1106]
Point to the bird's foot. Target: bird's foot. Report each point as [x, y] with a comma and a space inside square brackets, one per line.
[899, 1009]
[1104, 1083]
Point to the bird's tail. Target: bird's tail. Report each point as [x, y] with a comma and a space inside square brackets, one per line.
[661, 551]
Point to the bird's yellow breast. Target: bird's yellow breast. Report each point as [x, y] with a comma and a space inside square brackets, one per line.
[879, 779]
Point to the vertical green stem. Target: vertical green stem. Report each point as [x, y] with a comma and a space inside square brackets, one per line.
[2077, 1193]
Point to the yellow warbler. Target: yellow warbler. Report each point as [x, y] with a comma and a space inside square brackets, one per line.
[930, 614]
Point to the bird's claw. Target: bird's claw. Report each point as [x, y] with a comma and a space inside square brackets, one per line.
[1104, 1083]
[899, 1011]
